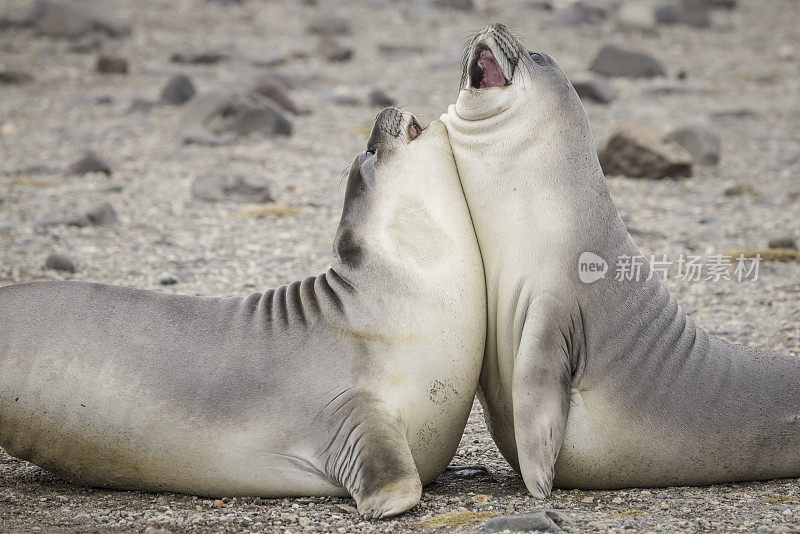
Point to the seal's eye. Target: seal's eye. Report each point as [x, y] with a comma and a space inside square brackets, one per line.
[537, 57]
[370, 152]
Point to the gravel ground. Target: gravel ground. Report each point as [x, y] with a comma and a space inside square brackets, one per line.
[746, 84]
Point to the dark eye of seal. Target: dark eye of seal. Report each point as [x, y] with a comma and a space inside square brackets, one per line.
[537, 57]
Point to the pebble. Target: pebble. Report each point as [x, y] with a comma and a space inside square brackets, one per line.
[59, 262]
[333, 51]
[89, 162]
[536, 521]
[689, 12]
[380, 99]
[112, 65]
[700, 140]
[168, 278]
[635, 151]
[783, 242]
[15, 77]
[95, 214]
[579, 13]
[594, 88]
[213, 186]
[178, 90]
[613, 60]
[208, 57]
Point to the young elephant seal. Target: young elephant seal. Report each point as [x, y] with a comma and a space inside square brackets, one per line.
[357, 381]
[608, 384]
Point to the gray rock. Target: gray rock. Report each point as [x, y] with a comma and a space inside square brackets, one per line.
[90, 162]
[208, 57]
[15, 77]
[537, 521]
[154, 530]
[739, 190]
[275, 89]
[468, 472]
[96, 214]
[221, 116]
[334, 51]
[326, 23]
[783, 242]
[579, 13]
[141, 105]
[593, 88]
[612, 60]
[380, 99]
[235, 187]
[635, 151]
[76, 18]
[59, 262]
[701, 141]
[112, 65]
[463, 5]
[689, 12]
[178, 90]
[5, 226]
[165, 279]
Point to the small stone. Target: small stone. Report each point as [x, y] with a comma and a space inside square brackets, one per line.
[274, 89]
[579, 13]
[234, 187]
[15, 77]
[208, 57]
[178, 90]
[73, 19]
[537, 521]
[468, 472]
[91, 42]
[689, 12]
[595, 89]
[612, 60]
[90, 162]
[701, 141]
[616, 500]
[326, 23]
[218, 503]
[141, 105]
[112, 65]
[96, 214]
[783, 242]
[635, 151]
[588, 500]
[380, 99]
[154, 530]
[333, 51]
[343, 99]
[59, 262]
[167, 279]
[462, 5]
[740, 190]
[100, 213]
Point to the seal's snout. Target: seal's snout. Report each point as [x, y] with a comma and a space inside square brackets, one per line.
[492, 57]
[392, 125]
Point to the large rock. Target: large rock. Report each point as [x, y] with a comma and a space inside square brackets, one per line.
[222, 116]
[178, 90]
[593, 88]
[76, 18]
[613, 60]
[638, 152]
[235, 187]
[536, 521]
[95, 214]
[701, 141]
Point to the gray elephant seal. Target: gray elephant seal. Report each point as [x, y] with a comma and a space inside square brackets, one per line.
[609, 384]
[357, 381]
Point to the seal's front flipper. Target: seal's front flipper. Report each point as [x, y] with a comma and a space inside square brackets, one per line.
[371, 458]
[541, 393]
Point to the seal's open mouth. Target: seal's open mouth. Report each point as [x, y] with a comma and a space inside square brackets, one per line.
[484, 71]
[414, 129]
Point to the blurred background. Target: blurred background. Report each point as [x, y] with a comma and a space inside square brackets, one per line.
[198, 146]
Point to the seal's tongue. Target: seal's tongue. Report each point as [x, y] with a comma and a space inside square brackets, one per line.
[491, 75]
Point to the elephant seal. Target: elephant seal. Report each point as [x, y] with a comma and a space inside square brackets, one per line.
[358, 381]
[602, 385]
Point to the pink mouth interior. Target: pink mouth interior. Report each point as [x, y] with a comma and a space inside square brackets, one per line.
[491, 75]
[414, 131]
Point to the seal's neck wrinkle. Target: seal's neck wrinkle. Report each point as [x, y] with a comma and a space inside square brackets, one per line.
[478, 104]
